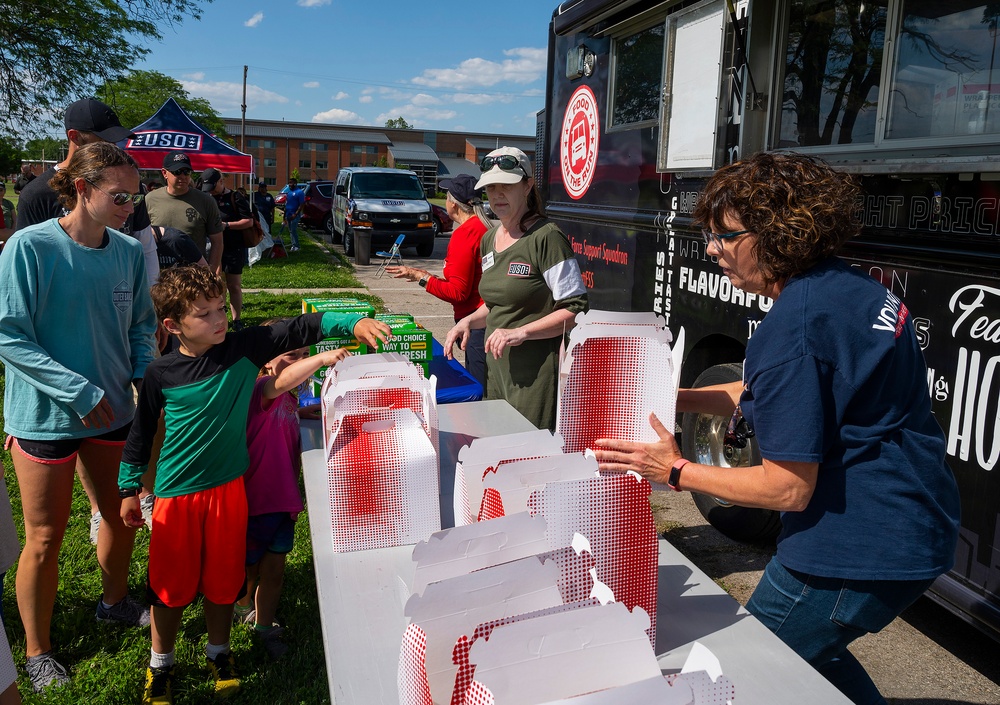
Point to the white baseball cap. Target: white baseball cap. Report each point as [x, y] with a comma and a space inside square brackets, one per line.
[507, 165]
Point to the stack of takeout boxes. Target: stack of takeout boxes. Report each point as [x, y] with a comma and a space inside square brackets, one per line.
[381, 438]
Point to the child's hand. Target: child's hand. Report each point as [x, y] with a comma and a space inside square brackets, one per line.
[370, 331]
[313, 411]
[131, 512]
[329, 358]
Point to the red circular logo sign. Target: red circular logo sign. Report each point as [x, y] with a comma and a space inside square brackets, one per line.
[578, 142]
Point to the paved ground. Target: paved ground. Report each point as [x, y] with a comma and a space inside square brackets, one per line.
[926, 656]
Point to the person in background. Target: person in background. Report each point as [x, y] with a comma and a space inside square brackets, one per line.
[295, 202]
[532, 291]
[8, 216]
[459, 283]
[272, 484]
[236, 217]
[73, 357]
[264, 202]
[86, 121]
[203, 388]
[179, 206]
[835, 391]
[23, 179]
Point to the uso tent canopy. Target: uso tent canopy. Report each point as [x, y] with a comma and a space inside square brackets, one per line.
[172, 129]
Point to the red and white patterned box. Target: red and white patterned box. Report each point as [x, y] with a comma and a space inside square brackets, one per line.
[507, 488]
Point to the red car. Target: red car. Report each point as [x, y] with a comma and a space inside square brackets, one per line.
[317, 212]
[442, 221]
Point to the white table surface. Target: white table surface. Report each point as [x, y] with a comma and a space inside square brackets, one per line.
[361, 595]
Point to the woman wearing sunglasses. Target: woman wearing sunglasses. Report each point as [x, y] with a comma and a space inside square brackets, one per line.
[531, 289]
[835, 391]
[76, 333]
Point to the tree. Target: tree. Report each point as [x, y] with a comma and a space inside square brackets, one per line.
[398, 124]
[49, 148]
[10, 157]
[137, 95]
[52, 53]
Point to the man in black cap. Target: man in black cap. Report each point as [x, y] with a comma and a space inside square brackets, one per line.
[265, 203]
[236, 217]
[177, 205]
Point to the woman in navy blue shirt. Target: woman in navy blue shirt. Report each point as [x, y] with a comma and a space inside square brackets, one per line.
[835, 389]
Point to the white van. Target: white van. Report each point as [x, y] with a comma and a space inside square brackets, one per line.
[384, 202]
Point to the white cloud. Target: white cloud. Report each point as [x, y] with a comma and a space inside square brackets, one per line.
[424, 99]
[416, 115]
[196, 76]
[340, 96]
[365, 99]
[388, 93]
[255, 20]
[311, 84]
[339, 116]
[312, 3]
[227, 97]
[525, 65]
[481, 98]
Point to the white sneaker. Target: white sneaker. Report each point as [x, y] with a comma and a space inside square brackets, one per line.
[293, 248]
[146, 505]
[95, 526]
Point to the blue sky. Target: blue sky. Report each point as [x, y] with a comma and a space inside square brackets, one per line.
[446, 65]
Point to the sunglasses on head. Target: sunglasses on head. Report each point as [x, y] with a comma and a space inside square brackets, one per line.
[506, 162]
[120, 198]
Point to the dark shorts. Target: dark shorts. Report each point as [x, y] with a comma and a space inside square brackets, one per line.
[234, 252]
[269, 533]
[62, 451]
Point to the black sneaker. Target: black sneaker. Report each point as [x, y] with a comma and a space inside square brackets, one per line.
[159, 686]
[227, 680]
[126, 610]
[273, 641]
[44, 671]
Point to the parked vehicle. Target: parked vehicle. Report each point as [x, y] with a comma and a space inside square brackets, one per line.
[646, 99]
[318, 209]
[384, 203]
[442, 221]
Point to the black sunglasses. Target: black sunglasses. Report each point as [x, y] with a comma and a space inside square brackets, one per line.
[120, 198]
[506, 162]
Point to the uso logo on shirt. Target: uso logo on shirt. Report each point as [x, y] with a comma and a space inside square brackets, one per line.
[519, 269]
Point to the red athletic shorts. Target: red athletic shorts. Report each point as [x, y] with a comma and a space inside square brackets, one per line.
[198, 543]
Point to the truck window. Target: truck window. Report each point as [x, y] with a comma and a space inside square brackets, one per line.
[833, 62]
[638, 72]
[387, 186]
[943, 82]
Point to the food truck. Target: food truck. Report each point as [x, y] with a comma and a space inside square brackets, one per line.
[646, 98]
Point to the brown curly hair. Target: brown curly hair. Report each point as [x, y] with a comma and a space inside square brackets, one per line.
[179, 287]
[88, 163]
[801, 210]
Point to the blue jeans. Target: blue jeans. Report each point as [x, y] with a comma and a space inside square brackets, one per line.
[818, 617]
[475, 356]
[293, 228]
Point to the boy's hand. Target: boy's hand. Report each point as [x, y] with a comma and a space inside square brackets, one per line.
[131, 512]
[369, 331]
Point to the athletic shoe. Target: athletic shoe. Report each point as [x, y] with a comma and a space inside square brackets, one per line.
[227, 680]
[159, 686]
[273, 642]
[293, 248]
[44, 671]
[126, 610]
[248, 617]
[95, 525]
[146, 506]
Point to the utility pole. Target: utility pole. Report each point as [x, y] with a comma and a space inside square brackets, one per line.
[243, 118]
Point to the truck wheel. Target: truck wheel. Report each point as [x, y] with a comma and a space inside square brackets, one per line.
[328, 226]
[348, 241]
[702, 439]
[425, 249]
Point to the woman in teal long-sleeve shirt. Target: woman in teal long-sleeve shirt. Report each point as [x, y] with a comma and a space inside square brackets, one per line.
[76, 333]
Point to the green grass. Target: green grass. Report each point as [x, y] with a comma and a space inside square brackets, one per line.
[107, 663]
[312, 267]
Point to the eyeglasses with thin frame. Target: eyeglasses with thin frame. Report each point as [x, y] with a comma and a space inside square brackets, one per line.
[718, 239]
[506, 162]
[120, 198]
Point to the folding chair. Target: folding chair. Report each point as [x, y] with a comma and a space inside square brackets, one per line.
[391, 256]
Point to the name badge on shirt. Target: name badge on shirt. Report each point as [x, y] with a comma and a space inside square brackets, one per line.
[487, 261]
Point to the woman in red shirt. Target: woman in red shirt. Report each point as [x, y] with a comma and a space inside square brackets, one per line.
[459, 282]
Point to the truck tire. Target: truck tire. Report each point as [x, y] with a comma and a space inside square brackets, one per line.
[425, 249]
[702, 439]
[348, 241]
